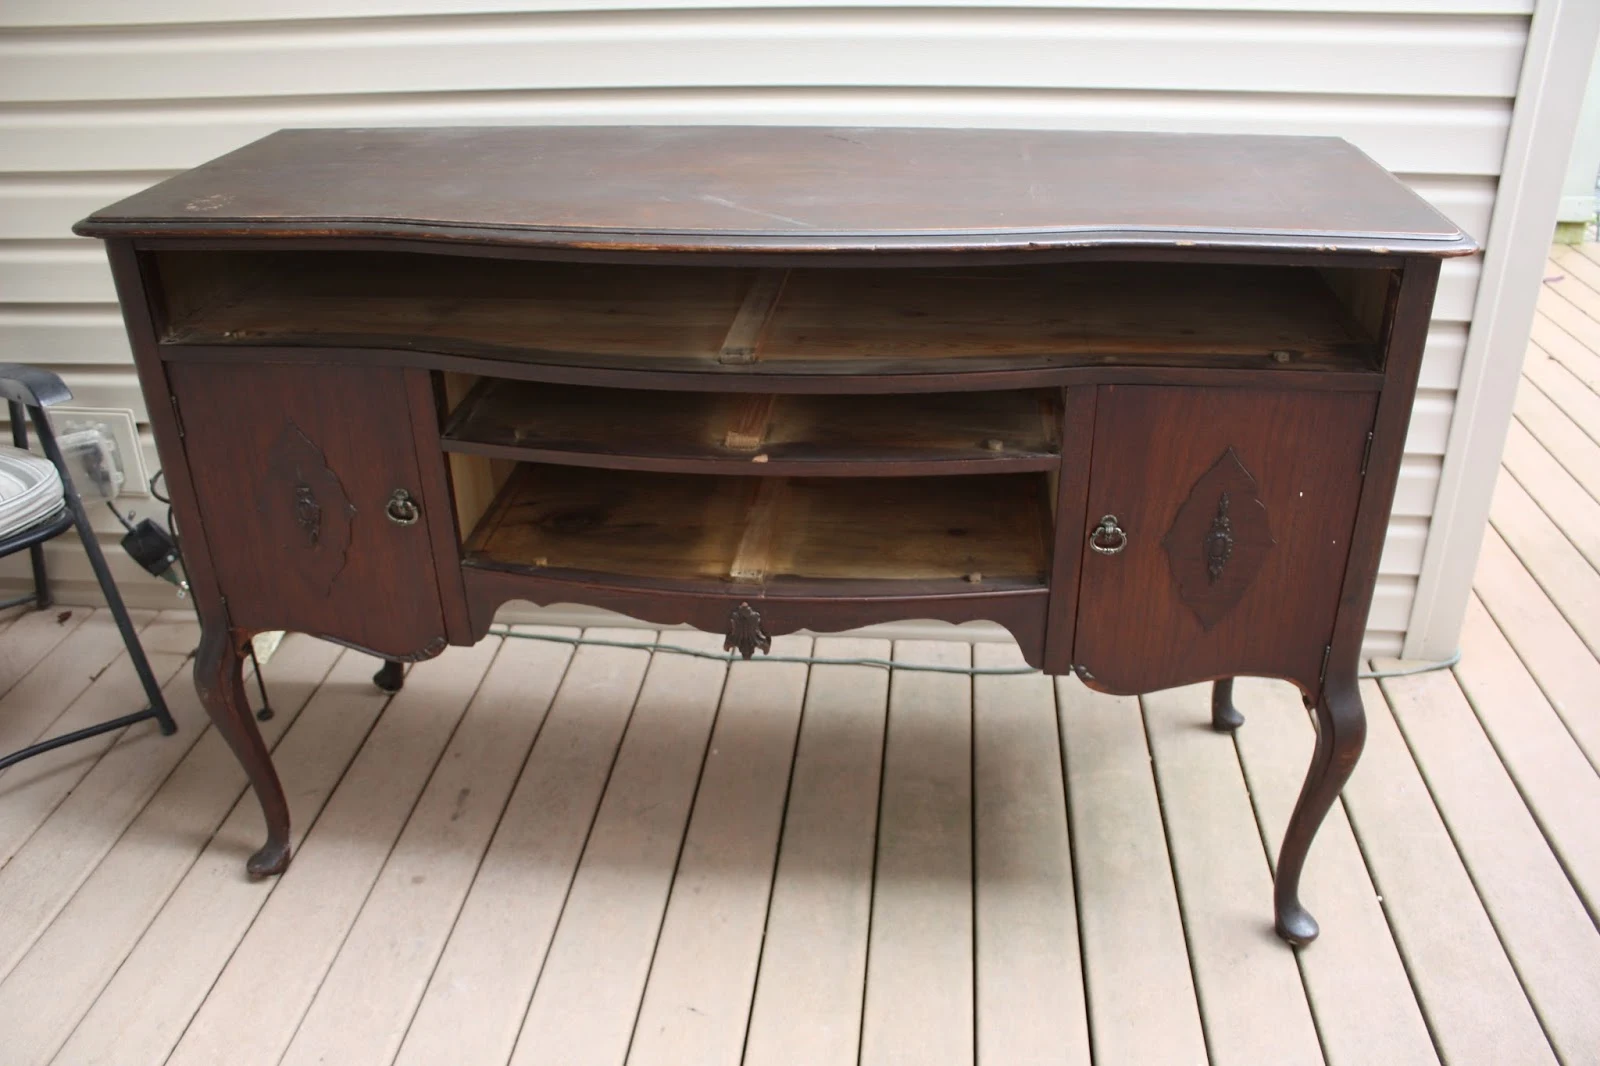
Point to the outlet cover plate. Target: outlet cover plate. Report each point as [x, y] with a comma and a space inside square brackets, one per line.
[124, 430]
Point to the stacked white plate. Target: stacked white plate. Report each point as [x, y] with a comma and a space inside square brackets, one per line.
[30, 490]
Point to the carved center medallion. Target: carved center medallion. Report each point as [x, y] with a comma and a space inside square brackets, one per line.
[1219, 540]
[305, 507]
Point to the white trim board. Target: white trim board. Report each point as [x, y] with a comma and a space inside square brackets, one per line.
[1555, 69]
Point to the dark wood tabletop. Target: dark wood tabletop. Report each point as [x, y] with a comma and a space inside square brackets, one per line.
[733, 188]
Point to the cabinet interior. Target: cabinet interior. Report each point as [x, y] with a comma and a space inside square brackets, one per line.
[973, 532]
[724, 319]
[755, 432]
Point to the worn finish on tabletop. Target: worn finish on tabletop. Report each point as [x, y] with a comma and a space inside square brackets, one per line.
[757, 187]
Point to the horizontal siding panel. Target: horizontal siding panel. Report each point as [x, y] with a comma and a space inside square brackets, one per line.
[62, 333]
[1466, 201]
[1430, 422]
[752, 47]
[50, 13]
[64, 271]
[1418, 485]
[1376, 644]
[1440, 136]
[1458, 289]
[1391, 603]
[1402, 548]
[115, 385]
[1442, 356]
[44, 206]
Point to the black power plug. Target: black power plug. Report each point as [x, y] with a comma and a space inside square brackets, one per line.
[154, 549]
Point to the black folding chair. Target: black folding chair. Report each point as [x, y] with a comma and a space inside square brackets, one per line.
[29, 391]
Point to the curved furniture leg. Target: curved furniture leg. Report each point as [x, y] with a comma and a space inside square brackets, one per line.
[1341, 732]
[1225, 717]
[391, 676]
[219, 678]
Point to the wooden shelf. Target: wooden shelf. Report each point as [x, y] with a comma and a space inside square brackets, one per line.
[755, 433]
[974, 532]
[732, 321]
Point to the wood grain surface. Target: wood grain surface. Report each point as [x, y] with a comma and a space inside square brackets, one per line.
[756, 187]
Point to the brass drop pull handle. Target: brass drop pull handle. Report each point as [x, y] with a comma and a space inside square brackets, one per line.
[1108, 537]
[402, 509]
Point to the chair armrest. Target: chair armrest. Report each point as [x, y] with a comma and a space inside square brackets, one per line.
[31, 386]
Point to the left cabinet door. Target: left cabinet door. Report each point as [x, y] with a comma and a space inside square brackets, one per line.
[294, 467]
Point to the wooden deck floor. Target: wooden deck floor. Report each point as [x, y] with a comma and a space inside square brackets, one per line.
[541, 855]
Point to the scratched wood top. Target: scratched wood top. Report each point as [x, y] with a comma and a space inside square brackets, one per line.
[730, 188]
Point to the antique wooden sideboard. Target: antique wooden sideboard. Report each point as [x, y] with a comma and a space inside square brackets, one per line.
[1139, 398]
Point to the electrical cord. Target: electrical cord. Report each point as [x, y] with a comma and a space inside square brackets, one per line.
[809, 660]
[886, 664]
[1413, 671]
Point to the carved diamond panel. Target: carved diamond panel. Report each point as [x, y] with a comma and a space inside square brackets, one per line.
[304, 507]
[1219, 540]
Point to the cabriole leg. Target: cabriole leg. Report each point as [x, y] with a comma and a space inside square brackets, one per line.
[1341, 732]
[1225, 717]
[219, 677]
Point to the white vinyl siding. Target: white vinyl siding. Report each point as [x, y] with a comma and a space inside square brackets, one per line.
[99, 98]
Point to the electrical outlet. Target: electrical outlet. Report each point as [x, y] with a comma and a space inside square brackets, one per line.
[120, 425]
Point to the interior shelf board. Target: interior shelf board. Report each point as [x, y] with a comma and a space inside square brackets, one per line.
[743, 433]
[724, 320]
[977, 532]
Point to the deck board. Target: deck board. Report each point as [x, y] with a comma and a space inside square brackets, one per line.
[697, 1001]
[41, 695]
[29, 638]
[1559, 786]
[1572, 584]
[1141, 993]
[474, 1004]
[1255, 1007]
[1355, 980]
[1577, 453]
[1465, 983]
[1028, 960]
[31, 790]
[587, 1000]
[1548, 935]
[613, 855]
[919, 1001]
[141, 920]
[808, 993]
[361, 1010]
[252, 1011]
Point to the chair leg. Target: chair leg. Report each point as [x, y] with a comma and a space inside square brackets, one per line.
[108, 586]
[41, 579]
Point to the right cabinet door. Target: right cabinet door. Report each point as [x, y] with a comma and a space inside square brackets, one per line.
[1217, 530]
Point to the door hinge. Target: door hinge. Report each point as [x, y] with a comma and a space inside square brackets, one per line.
[177, 416]
[1366, 455]
[1327, 652]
